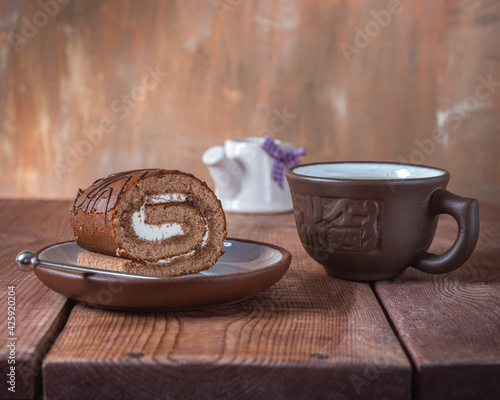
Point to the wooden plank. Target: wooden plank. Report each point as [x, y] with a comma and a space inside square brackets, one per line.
[310, 336]
[39, 312]
[73, 106]
[450, 323]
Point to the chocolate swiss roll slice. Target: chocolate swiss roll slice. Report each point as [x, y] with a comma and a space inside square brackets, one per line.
[154, 222]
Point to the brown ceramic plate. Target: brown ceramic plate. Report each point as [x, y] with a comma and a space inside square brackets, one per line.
[246, 268]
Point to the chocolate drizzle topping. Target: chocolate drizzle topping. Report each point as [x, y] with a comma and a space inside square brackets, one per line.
[102, 187]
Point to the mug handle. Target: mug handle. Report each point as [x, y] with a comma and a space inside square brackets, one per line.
[466, 213]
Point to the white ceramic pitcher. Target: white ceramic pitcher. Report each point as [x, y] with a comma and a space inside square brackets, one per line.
[241, 171]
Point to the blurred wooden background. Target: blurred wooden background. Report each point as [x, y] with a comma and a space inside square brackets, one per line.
[93, 87]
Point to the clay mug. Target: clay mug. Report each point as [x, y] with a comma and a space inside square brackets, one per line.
[371, 220]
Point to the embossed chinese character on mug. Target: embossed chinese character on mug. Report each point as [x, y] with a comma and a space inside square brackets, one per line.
[371, 220]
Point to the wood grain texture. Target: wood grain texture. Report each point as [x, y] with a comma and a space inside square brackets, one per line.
[39, 312]
[308, 337]
[450, 323]
[86, 90]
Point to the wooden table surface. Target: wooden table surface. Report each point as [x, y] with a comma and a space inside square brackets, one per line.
[310, 336]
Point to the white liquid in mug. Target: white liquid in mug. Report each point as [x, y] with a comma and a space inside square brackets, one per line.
[367, 171]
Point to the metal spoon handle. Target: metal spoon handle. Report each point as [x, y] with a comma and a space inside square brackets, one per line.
[28, 261]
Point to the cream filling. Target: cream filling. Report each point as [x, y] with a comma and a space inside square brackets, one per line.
[170, 259]
[157, 232]
[161, 232]
[153, 232]
[169, 198]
